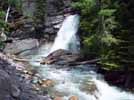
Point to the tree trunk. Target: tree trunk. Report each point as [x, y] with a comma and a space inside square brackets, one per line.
[3, 35]
[128, 79]
[7, 14]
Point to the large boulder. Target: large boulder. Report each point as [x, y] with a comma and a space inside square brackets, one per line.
[61, 57]
[64, 57]
[19, 46]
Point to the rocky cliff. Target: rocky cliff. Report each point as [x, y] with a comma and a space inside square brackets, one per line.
[46, 21]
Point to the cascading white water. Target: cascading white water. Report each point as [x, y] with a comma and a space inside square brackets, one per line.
[66, 38]
[71, 82]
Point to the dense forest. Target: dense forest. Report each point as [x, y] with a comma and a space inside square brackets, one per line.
[106, 32]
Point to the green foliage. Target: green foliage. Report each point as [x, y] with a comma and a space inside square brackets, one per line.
[2, 14]
[107, 31]
[97, 25]
[125, 32]
[91, 46]
[109, 65]
[109, 39]
[39, 17]
[40, 11]
[16, 3]
[2, 22]
[107, 12]
[86, 6]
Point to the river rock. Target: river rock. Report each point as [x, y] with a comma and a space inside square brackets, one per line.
[19, 46]
[46, 83]
[89, 87]
[73, 98]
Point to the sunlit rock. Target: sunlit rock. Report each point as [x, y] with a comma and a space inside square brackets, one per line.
[19, 46]
[46, 83]
[73, 98]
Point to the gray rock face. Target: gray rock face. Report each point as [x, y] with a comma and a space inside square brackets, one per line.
[28, 7]
[4, 84]
[11, 88]
[19, 46]
[23, 28]
[15, 91]
[53, 18]
[55, 15]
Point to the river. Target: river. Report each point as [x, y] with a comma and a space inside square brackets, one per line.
[85, 84]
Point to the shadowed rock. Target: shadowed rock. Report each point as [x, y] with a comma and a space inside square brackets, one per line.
[13, 87]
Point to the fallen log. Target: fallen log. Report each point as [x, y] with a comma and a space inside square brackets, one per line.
[20, 59]
[93, 61]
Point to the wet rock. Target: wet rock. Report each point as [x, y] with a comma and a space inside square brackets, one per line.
[88, 86]
[53, 23]
[46, 83]
[56, 27]
[19, 46]
[67, 58]
[28, 96]
[55, 15]
[4, 84]
[61, 57]
[73, 98]
[15, 91]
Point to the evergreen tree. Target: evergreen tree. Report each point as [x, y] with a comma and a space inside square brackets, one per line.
[39, 17]
[97, 25]
[4, 14]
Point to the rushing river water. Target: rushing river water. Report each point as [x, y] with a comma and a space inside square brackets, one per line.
[86, 85]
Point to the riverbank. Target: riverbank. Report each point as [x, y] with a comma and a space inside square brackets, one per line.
[14, 84]
[53, 80]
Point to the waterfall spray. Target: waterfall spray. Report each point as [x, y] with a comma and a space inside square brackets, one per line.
[66, 37]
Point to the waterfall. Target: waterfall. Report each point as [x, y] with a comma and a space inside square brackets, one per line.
[66, 37]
